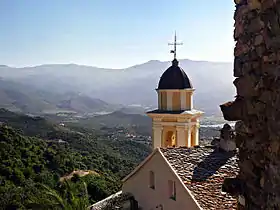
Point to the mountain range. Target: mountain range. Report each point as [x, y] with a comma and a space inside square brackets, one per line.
[86, 89]
[22, 97]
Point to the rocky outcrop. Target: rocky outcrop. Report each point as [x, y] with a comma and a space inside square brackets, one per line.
[227, 139]
[226, 142]
[257, 105]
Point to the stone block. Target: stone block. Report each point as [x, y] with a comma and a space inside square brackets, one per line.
[256, 65]
[254, 107]
[266, 4]
[277, 8]
[271, 20]
[270, 58]
[233, 111]
[246, 86]
[240, 12]
[253, 55]
[274, 146]
[258, 40]
[233, 186]
[238, 66]
[268, 82]
[243, 68]
[247, 167]
[254, 4]
[273, 43]
[273, 170]
[255, 25]
[238, 31]
[241, 206]
[261, 49]
[239, 1]
[265, 96]
[275, 103]
[258, 160]
[254, 124]
[240, 49]
[253, 14]
[240, 140]
[271, 69]
[242, 129]
[273, 127]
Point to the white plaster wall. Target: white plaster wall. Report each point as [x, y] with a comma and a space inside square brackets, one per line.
[149, 198]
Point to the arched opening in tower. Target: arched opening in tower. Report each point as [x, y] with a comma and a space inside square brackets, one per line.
[170, 139]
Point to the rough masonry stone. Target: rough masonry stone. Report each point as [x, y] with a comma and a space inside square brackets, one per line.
[257, 105]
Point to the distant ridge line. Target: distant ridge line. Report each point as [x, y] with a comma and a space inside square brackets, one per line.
[92, 66]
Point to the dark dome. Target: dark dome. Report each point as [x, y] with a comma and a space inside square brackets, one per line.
[174, 78]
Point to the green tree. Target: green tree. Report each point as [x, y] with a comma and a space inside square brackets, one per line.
[68, 197]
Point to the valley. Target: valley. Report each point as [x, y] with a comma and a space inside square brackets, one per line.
[46, 151]
[62, 130]
[50, 147]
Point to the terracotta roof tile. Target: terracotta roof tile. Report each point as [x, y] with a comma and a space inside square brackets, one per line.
[203, 170]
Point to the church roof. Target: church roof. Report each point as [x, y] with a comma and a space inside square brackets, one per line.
[174, 78]
[203, 170]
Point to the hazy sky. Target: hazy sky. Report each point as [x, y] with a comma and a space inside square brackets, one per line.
[113, 33]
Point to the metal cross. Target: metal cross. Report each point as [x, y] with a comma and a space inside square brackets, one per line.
[175, 45]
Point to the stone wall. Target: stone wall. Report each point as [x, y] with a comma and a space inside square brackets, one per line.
[257, 104]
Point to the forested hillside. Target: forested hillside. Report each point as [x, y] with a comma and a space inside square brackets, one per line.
[27, 161]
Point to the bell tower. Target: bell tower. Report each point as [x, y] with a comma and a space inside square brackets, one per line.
[175, 122]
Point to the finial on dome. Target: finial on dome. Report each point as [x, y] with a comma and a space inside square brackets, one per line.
[174, 51]
[175, 62]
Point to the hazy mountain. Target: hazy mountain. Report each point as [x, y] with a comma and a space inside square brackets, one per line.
[133, 85]
[21, 97]
[83, 104]
[133, 110]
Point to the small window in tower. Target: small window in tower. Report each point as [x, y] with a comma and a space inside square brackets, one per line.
[172, 190]
[152, 180]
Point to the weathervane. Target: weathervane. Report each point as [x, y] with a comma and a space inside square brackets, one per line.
[175, 45]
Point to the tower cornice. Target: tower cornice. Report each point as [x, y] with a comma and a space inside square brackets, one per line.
[176, 90]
